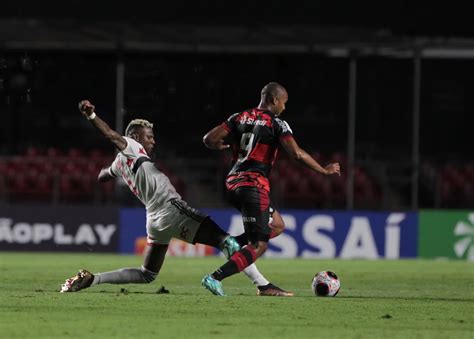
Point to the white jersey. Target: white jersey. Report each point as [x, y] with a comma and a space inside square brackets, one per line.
[150, 185]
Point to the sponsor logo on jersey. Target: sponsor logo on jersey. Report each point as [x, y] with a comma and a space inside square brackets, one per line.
[249, 219]
[251, 121]
[284, 125]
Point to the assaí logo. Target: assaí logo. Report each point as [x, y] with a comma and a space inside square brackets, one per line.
[464, 245]
[342, 234]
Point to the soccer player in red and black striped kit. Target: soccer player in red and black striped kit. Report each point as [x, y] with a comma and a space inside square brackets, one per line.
[255, 135]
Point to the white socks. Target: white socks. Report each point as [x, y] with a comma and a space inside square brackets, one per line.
[125, 276]
[254, 274]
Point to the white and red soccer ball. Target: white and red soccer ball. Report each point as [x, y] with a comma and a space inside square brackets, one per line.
[325, 284]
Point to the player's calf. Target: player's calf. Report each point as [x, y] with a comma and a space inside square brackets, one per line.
[126, 276]
[85, 279]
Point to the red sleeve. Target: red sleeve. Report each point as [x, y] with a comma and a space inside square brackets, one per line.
[225, 125]
[229, 124]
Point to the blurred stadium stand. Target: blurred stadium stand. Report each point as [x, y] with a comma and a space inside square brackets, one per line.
[46, 158]
[52, 176]
[187, 66]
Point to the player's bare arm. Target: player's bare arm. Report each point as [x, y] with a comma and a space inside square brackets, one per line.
[297, 153]
[104, 175]
[87, 109]
[214, 139]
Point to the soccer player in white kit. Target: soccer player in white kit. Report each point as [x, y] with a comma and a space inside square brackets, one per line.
[167, 215]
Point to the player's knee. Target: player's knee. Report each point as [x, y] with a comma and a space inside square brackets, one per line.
[277, 229]
[242, 239]
[277, 225]
[148, 276]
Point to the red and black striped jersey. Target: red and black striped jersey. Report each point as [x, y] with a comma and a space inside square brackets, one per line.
[254, 136]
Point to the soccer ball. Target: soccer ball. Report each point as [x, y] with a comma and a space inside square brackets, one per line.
[325, 284]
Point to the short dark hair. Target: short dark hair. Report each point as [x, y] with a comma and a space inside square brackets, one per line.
[272, 89]
[135, 124]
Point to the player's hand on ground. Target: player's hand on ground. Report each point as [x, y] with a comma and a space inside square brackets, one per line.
[86, 108]
[333, 169]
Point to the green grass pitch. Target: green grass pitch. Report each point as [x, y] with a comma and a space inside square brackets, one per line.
[378, 299]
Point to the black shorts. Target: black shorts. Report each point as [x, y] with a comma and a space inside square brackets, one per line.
[254, 204]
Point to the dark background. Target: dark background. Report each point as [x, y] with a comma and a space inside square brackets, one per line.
[400, 17]
[55, 54]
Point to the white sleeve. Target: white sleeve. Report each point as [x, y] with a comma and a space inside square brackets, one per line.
[134, 149]
[113, 168]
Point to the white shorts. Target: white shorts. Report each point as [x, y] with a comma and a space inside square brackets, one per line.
[177, 220]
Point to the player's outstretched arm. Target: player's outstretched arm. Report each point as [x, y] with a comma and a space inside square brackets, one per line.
[214, 139]
[297, 153]
[87, 109]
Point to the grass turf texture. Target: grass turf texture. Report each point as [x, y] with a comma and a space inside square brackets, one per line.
[378, 299]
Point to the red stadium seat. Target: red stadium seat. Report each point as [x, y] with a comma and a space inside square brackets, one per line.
[53, 153]
[338, 157]
[75, 153]
[32, 152]
[318, 157]
[96, 154]
[3, 167]
[456, 185]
